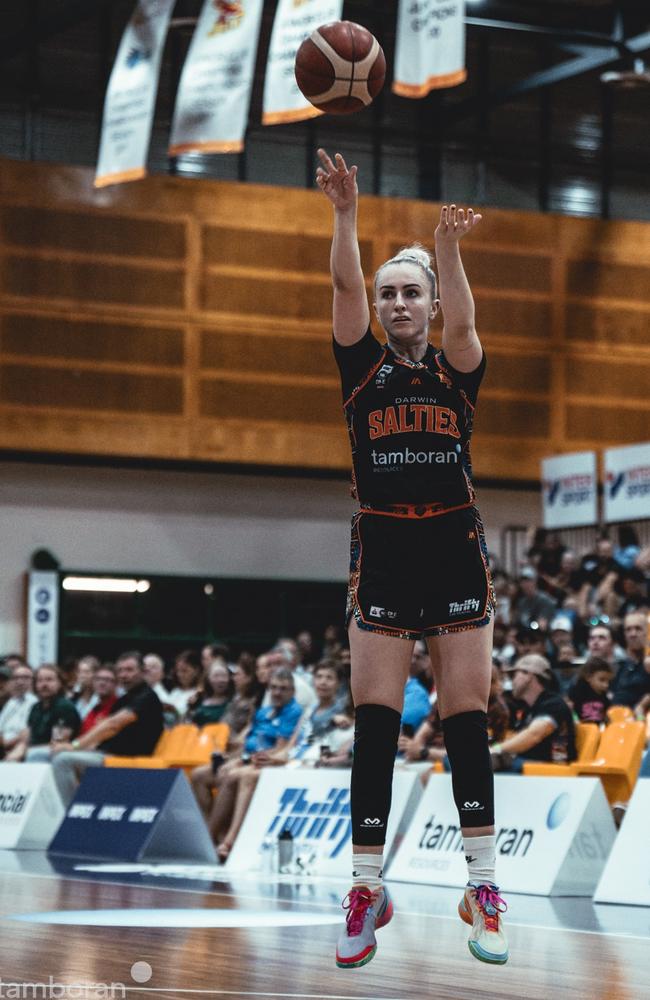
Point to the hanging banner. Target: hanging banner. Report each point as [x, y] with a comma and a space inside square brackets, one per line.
[131, 95]
[627, 483]
[294, 21]
[217, 80]
[570, 490]
[42, 618]
[430, 46]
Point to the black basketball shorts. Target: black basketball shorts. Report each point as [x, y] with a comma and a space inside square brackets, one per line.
[411, 577]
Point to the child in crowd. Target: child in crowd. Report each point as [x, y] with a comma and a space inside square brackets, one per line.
[589, 696]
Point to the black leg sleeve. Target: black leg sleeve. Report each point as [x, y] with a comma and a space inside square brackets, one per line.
[375, 745]
[466, 742]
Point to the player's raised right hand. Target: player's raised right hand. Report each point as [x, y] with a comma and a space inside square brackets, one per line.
[337, 181]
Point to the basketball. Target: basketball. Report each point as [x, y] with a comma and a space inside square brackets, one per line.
[340, 68]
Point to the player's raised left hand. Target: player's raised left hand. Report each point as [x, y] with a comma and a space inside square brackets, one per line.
[455, 223]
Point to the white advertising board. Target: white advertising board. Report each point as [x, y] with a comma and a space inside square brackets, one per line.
[626, 878]
[314, 805]
[627, 483]
[554, 836]
[31, 810]
[570, 490]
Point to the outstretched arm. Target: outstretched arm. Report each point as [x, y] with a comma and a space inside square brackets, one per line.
[351, 313]
[459, 338]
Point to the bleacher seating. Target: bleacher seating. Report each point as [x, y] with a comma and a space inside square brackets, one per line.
[184, 746]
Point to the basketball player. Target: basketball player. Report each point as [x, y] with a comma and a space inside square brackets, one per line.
[418, 554]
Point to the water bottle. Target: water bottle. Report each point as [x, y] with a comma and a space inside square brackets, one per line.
[268, 856]
[285, 850]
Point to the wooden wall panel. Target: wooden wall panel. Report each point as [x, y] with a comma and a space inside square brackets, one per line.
[185, 319]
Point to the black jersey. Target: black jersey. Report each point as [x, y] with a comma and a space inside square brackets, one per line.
[410, 425]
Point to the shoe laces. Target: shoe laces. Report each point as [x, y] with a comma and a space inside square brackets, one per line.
[357, 902]
[490, 905]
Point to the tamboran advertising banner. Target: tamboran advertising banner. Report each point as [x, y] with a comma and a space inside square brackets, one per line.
[553, 836]
[294, 21]
[430, 46]
[626, 878]
[42, 618]
[131, 95]
[214, 93]
[570, 490]
[627, 483]
[314, 807]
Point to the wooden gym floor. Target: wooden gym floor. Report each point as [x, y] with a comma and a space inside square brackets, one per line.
[130, 931]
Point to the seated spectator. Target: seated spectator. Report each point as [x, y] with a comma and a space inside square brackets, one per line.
[132, 729]
[83, 694]
[104, 687]
[305, 643]
[187, 679]
[422, 669]
[5, 686]
[52, 718]
[428, 742]
[545, 730]
[210, 704]
[324, 731]
[214, 651]
[632, 680]
[416, 697]
[286, 657]
[248, 696]
[632, 590]
[627, 551]
[272, 727]
[15, 711]
[600, 642]
[589, 695]
[154, 674]
[567, 582]
[532, 604]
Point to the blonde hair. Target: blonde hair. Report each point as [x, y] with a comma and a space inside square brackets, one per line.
[417, 254]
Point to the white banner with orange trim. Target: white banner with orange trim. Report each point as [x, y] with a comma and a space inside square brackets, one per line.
[217, 80]
[430, 46]
[131, 95]
[294, 21]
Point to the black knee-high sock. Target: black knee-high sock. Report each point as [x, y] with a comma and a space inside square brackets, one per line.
[466, 742]
[375, 744]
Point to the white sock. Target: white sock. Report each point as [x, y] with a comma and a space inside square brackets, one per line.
[368, 870]
[480, 855]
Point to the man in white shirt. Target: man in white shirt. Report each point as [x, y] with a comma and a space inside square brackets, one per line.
[13, 717]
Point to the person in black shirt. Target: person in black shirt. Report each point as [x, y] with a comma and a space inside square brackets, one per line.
[131, 730]
[632, 681]
[418, 555]
[544, 730]
[589, 695]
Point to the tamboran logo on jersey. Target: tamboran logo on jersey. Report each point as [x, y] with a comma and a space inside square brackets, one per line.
[382, 376]
[462, 607]
[328, 821]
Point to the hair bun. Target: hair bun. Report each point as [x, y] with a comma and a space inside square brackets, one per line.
[415, 251]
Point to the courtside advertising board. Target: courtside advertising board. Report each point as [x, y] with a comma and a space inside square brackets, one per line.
[626, 878]
[30, 806]
[553, 836]
[314, 807]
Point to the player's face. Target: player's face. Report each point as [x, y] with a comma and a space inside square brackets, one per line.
[403, 304]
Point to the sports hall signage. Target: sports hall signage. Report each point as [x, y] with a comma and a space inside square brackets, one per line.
[627, 483]
[554, 836]
[42, 618]
[30, 807]
[626, 878]
[134, 815]
[314, 806]
[283, 101]
[570, 490]
[430, 46]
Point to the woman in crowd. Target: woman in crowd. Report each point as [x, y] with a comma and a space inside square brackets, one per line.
[187, 680]
[213, 700]
[418, 553]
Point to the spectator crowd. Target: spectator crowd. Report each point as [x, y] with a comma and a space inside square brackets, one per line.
[571, 639]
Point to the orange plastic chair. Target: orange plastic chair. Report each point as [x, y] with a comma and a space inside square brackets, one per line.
[171, 744]
[587, 740]
[199, 745]
[619, 759]
[619, 713]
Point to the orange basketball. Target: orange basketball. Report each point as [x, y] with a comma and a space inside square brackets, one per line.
[340, 68]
